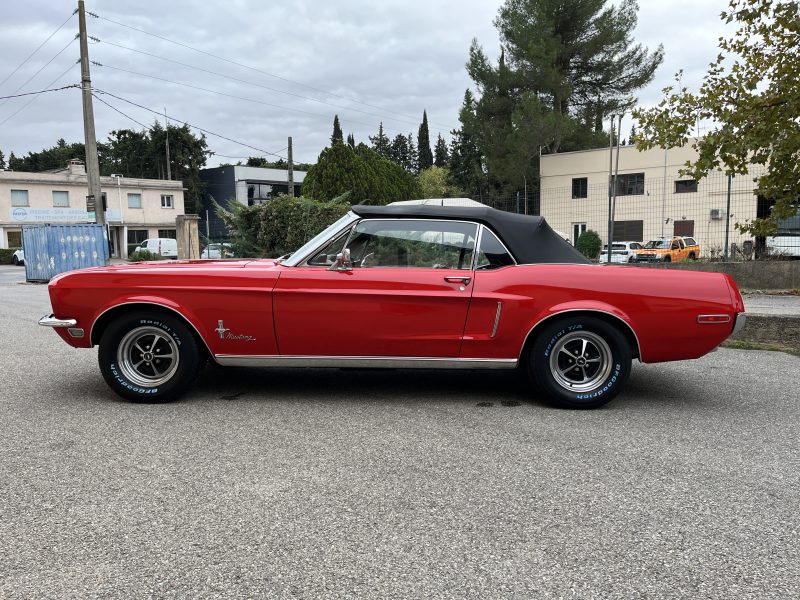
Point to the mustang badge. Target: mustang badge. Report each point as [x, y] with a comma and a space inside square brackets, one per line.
[225, 334]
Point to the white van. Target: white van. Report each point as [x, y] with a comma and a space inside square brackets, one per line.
[166, 247]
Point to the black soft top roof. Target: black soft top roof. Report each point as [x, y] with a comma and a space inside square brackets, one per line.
[530, 239]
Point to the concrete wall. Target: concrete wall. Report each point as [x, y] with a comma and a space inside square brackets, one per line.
[750, 275]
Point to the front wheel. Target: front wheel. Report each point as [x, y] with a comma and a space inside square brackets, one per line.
[149, 357]
[580, 362]
[15, 260]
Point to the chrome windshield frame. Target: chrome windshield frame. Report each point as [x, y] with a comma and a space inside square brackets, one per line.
[320, 240]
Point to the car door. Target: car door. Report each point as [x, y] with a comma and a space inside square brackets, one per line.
[404, 293]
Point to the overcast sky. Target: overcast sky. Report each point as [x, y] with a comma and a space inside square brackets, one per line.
[367, 61]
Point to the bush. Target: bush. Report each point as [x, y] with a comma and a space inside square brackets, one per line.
[436, 182]
[6, 255]
[145, 255]
[279, 226]
[589, 244]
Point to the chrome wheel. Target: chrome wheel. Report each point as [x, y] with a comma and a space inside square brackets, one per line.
[147, 356]
[581, 361]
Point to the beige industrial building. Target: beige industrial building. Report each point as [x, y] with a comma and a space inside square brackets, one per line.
[136, 209]
[653, 198]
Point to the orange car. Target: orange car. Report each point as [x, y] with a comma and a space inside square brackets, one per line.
[673, 249]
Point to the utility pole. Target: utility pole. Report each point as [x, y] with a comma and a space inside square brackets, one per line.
[90, 138]
[611, 183]
[291, 169]
[166, 124]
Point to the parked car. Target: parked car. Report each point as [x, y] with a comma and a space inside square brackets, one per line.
[18, 258]
[674, 249]
[223, 250]
[621, 252]
[166, 247]
[409, 286]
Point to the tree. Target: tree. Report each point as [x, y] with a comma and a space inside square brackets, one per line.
[751, 95]
[563, 66]
[425, 160]
[336, 138]
[589, 244]
[380, 143]
[368, 177]
[2, 160]
[351, 140]
[466, 160]
[441, 158]
[435, 182]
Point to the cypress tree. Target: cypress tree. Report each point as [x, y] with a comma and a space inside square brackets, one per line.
[425, 160]
[2, 160]
[441, 158]
[351, 141]
[337, 136]
[380, 143]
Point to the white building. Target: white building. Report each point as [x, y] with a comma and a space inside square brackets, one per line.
[136, 209]
[653, 198]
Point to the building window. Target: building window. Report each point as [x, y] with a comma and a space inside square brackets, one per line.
[580, 187]
[686, 186]
[14, 239]
[135, 237]
[134, 201]
[168, 233]
[578, 229]
[166, 202]
[684, 228]
[60, 198]
[258, 193]
[630, 184]
[19, 197]
[628, 231]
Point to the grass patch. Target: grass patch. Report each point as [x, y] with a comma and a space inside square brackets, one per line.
[745, 345]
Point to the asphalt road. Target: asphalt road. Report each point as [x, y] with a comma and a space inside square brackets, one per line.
[365, 484]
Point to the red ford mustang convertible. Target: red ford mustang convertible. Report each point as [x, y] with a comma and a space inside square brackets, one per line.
[399, 286]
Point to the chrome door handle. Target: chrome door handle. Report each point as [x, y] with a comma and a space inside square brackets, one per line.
[462, 280]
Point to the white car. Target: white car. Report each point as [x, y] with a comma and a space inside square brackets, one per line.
[621, 252]
[223, 250]
[18, 258]
[166, 247]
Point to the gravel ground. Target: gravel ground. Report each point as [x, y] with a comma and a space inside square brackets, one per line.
[362, 484]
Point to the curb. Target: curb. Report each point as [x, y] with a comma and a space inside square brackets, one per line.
[780, 330]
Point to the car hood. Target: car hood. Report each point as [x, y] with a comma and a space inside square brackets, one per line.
[176, 266]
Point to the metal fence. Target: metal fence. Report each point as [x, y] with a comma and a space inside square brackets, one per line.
[648, 208]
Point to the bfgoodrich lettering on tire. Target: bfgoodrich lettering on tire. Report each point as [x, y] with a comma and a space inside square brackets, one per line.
[580, 362]
[149, 357]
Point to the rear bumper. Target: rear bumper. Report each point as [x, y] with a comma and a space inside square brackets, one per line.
[739, 324]
[52, 321]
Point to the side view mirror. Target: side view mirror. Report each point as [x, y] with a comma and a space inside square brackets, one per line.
[342, 262]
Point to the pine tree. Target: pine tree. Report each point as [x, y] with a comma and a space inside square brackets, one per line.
[412, 163]
[424, 144]
[351, 140]
[441, 158]
[398, 151]
[13, 162]
[466, 161]
[380, 143]
[337, 137]
[2, 160]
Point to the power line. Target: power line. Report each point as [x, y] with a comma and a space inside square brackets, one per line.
[29, 102]
[39, 47]
[159, 113]
[244, 66]
[253, 83]
[27, 81]
[202, 89]
[66, 87]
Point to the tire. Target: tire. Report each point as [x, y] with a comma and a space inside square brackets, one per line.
[15, 260]
[692, 256]
[154, 337]
[667, 258]
[606, 362]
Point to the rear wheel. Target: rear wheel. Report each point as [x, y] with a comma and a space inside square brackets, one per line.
[149, 357]
[667, 258]
[692, 256]
[580, 362]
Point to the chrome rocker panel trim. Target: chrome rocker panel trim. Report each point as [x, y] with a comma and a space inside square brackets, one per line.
[365, 362]
[52, 321]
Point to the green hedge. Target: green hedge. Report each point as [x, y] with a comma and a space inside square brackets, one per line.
[6, 255]
[589, 244]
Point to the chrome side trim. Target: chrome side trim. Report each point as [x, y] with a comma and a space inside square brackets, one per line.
[369, 362]
[52, 321]
[146, 303]
[497, 319]
[594, 310]
[740, 321]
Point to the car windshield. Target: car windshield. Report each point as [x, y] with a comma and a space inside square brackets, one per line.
[658, 244]
[318, 239]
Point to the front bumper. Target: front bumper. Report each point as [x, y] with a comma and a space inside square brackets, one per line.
[52, 321]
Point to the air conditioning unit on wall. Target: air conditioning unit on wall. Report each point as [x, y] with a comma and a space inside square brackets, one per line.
[716, 213]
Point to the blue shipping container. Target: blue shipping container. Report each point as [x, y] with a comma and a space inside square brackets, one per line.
[53, 249]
